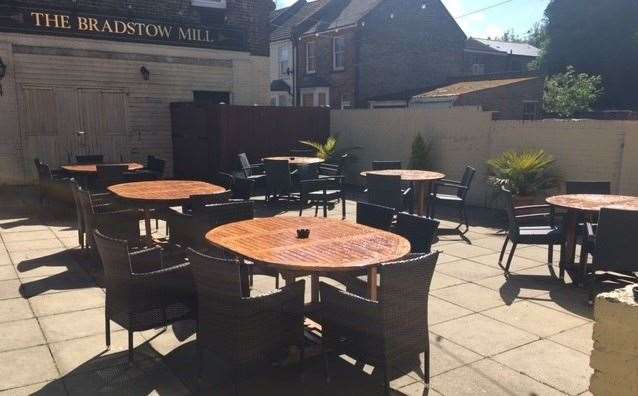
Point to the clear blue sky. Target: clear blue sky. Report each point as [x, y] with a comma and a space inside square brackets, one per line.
[519, 15]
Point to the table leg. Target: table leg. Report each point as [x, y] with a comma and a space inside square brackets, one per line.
[314, 288]
[147, 226]
[421, 197]
[372, 283]
[569, 257]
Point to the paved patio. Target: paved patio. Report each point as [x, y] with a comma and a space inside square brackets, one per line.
[527, 334]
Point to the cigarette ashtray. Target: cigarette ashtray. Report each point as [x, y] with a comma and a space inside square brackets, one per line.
[303, 233]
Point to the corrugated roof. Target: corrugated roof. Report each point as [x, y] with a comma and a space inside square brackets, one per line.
[466, 87]
[523, 49]
[350, 14]
[284, 30]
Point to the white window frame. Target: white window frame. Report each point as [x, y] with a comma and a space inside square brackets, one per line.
[315, 94]
[342, 52]
[314, 57]
[283, 66]
[209, 3]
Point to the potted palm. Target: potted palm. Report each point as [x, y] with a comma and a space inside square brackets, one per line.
[328, 151]
[527, 174]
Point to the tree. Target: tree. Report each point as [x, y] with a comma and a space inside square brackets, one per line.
[597, 37]
[569, 93]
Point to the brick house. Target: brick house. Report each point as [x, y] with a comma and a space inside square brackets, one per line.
[491, 56]
[111, 68]
[352, 50]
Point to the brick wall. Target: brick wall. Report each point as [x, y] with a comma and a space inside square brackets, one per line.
[342, 82]
[252, 16]
[404, 46]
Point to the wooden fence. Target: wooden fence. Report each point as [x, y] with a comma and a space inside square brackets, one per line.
[207, 138]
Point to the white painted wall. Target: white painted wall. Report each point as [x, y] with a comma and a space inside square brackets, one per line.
[148, 118]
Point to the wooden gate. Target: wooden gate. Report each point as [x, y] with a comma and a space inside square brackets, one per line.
[50, 118]
[207, 138]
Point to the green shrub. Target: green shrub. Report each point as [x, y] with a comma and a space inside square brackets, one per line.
[525, 173]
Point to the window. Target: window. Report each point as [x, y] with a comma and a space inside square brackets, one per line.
[311, 60]
[338, 53]
[531, 110]
[283, 57]
[307, 99]
[283, 100]
[322, 99]
[209, 3]
[345, 102]
[477, 67]
[313, 97]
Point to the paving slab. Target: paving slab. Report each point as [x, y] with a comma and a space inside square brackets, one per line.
[518, 263]
[483, 335]
[442, 311]
[468, 270]
[551, 363]
[9, 289]
[49, 388]
[579, 338]
[489, 378]
[29, 236]
[440, 281]
[26, 367]
[7, 272]
[75, 325]
[446, 355]
[470, 296]
[463, 250]
[535, 318]
[20, 334]
[14, 309]
[68, 301]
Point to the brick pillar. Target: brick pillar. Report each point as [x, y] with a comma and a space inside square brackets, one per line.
[615, 355]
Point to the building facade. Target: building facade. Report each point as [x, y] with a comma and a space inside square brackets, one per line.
[351, 50]
[491, 57]
[111, 68]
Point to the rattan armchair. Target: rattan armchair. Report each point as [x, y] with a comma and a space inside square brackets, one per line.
[386, 190]
[613, 245]
[279, 181]
[120, 224]
[89, 159]
[391, 333]
[140, 293]
[108, 175]
[321, 191]
[246, 331]
[386, 165]
[420, 231]
[542, 232]
[455, 195]
[253, 172]
[375, 216]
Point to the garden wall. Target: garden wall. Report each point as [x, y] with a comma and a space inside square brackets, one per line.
[584, 149]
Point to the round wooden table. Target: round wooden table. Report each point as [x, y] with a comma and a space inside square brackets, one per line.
[422, 181]
[333, 245]
[579, 204]
[92, 168]
[298, 161]
[160, 194]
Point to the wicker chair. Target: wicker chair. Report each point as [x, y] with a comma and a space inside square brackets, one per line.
[279, 180]
[108, 175]
[544, 234]
[320, 191]
[420, 231]
[376, 216]
[246, 331]
[89, 159]
[335, 167]
[251, 171]
[120, 224]
[156, 166]
[201, 200]
[140, 293]
[615, 241]
[587, 187]
[385, 165]
[79, 214]
[242, 188]
[385, 190]
[457, 196]
[52, 185]
[391, 333]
